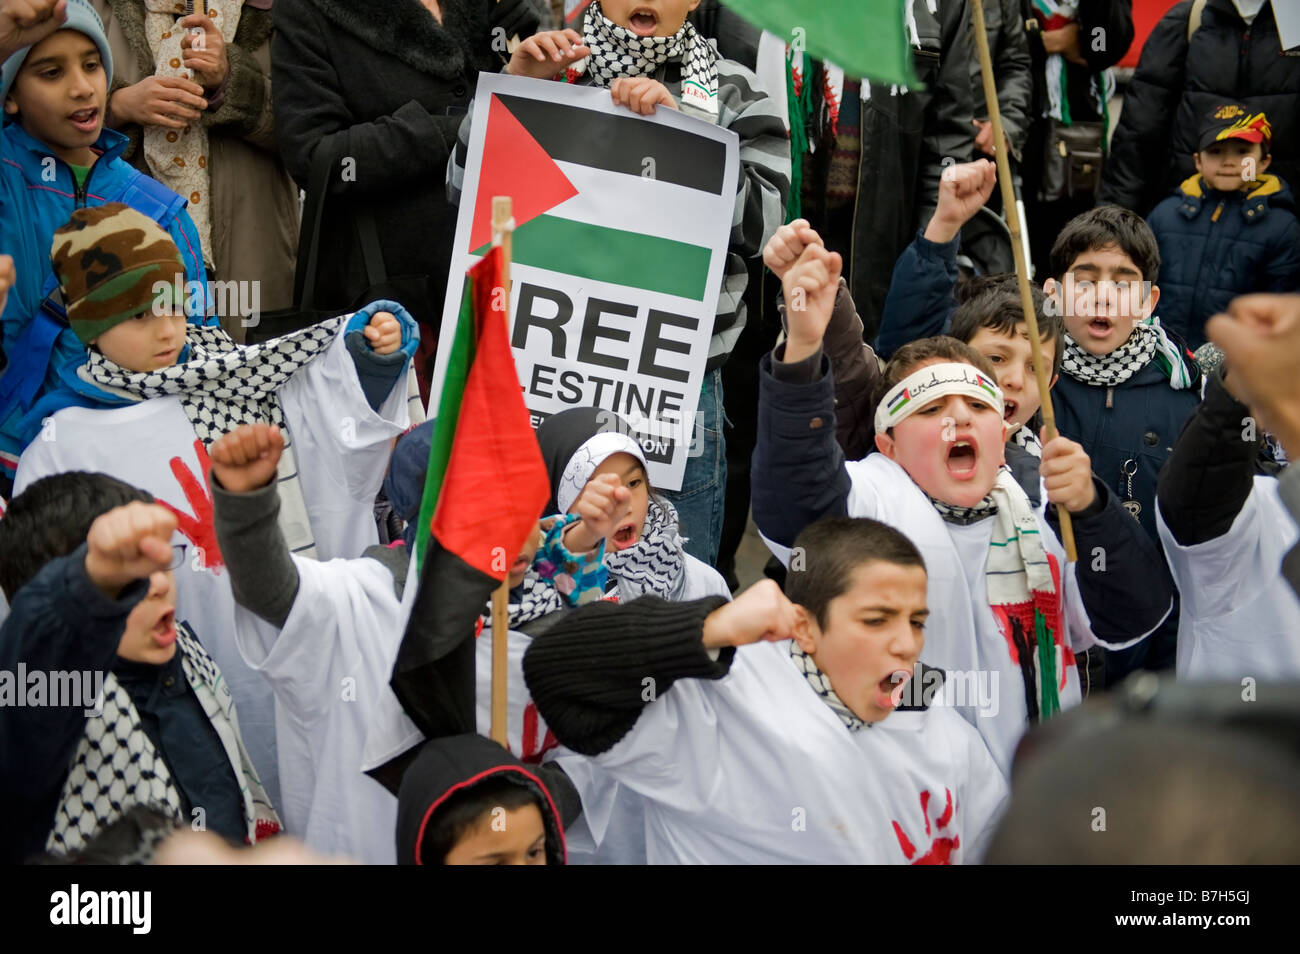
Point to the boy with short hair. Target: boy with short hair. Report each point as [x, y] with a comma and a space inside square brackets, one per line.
[58, 156]
[648, 56]
[1229, 229]
[160, 391]
[86, 562]
[769, 729]
[1127, 383]
[1004, 604]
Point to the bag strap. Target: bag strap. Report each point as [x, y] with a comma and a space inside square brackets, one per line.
[371, 251]
[304, 274]
[1194, 18]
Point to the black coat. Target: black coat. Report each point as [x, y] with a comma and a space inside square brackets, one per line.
[382, 88]
[1177, 84]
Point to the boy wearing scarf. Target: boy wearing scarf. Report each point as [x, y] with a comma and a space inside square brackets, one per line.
[648, 55]
[88, 564]
[154, 393]
[765, 731]
[1127, 383]
[1005, 604]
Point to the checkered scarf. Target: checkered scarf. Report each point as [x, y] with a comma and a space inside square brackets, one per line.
[1024, 438]
[616, 52]
[116, 766]
[817, 680]
[656, 564]
[222, 385]
[1147, 342]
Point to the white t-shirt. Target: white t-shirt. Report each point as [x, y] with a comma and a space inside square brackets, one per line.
[1239, 617]
[755, 768]
[342, 449]
[963, 636]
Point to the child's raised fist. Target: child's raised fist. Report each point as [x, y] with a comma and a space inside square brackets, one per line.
[27, 22]
[641, 94]
[547, 55]
[383, 333]
[1067, 473]
[787, 244]
[963, 190]
[129, 543]
[760, 613]
[602, 505]
[810, 286]
[247, 457]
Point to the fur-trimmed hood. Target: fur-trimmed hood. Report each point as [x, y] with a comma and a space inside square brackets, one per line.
[406, 30]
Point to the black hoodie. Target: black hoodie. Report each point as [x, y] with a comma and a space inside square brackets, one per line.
[451, 765]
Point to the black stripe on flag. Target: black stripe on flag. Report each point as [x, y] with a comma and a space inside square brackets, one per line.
[621, 143]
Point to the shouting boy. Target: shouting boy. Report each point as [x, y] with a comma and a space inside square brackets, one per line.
[1004, 606]
[648, 56]
[764, 730]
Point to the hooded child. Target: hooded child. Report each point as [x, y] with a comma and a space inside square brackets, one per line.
[776, 732]
[1007, 608]
[176, 388]
[58, 157]
[88, 564]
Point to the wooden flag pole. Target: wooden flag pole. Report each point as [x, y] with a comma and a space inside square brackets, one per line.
[503, 230]
[1041, 366]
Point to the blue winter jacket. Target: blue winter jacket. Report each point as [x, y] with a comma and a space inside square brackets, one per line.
[1216, 245]
[38, 194]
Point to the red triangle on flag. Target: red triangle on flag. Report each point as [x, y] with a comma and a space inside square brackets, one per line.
[514, 164]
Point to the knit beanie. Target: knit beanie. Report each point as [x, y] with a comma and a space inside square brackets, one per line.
[108, 260]
[82, 18]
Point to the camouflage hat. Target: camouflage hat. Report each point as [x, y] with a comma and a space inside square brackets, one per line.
[109, 260]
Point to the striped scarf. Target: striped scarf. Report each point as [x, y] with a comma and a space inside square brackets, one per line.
[1022, 590]
[222, 385]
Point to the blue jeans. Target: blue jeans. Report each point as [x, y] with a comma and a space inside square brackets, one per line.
[704, 485]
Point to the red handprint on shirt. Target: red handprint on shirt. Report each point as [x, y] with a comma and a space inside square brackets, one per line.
[199, 529]
[941, 849]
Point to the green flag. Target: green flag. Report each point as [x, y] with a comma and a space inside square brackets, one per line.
[866, 38]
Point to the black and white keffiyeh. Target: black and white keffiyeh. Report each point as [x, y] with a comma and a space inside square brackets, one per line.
[1148, 342]
[538, 598]
[1024, 438]
[822, 686]
[656, 564]
[116, 766]
[963, 516]
[222, 385]
[616, 52]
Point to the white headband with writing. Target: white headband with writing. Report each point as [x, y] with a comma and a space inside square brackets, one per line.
[933, 381]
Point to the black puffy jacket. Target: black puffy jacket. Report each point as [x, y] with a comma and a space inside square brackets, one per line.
[1176, 85]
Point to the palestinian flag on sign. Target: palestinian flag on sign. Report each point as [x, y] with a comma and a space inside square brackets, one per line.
[592, 205]
[484, 491]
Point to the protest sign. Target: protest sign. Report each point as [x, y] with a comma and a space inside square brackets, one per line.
[621, 231]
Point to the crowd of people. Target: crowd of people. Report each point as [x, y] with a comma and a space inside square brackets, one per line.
[218, 527]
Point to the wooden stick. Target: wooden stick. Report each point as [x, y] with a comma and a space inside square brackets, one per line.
[1022, 262]
[503, 233]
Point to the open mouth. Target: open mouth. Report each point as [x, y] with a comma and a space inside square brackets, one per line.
[164, 631]
[643, 21]
[889, 691]
[1099, 327]
[1009, 410]
[87, 120]
[962, 458]
[625, 536]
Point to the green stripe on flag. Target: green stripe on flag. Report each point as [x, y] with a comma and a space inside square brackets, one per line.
[444, 428]
[612, 255]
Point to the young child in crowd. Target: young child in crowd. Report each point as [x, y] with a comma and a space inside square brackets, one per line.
[1229, 229]
[162, 391]
[466, 801]
[648, 55]
[1226, 530]
[785, 752]
[58, 157]
[1005, 605]
[87, 563]
[1127, 384]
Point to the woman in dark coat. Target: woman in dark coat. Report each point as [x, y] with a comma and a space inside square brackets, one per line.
[381, 86]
